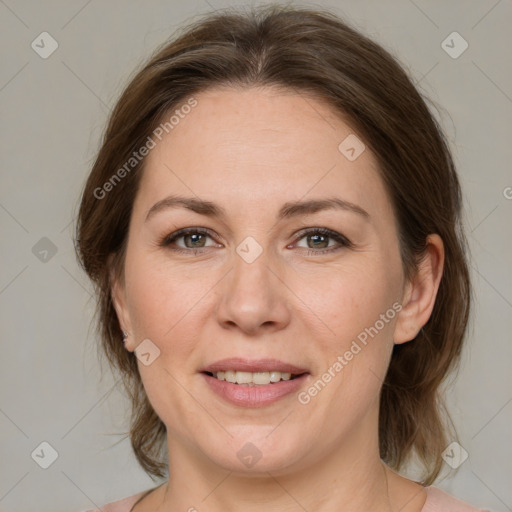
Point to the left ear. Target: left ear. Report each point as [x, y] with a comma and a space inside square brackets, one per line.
[420, 293]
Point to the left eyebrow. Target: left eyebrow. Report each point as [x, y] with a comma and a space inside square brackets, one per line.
[293, 209]
[290, 209]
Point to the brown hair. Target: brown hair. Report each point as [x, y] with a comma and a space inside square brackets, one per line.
[306, 51]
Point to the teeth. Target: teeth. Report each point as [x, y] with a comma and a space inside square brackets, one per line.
[251, 379]
[230, 376]
[275, 376]
[261, 378]
[243, 377]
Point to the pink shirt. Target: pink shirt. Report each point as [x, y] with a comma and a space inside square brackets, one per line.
[437, 501]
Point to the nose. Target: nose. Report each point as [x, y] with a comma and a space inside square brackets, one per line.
[254, 297]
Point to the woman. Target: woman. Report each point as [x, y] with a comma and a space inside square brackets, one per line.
[273, 227]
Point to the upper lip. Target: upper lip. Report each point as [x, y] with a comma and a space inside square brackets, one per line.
[253, 365]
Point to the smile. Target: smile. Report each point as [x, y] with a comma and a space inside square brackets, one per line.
[252, 378]
[251, 394]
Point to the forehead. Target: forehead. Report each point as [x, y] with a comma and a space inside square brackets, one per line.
[241, 147]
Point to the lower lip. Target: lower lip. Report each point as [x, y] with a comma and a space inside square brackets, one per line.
[254, 396]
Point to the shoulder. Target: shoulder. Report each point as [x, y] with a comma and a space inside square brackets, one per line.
[122, 505]
[440, 501]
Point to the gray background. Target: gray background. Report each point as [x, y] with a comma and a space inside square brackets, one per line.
[53, 112]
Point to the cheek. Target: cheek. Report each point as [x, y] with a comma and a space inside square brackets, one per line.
[164, 307]
[354, 299]
[167, 306]
[359, 311]
[360, 308]
[157, 295]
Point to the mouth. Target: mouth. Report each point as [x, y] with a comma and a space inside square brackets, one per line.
[243, 378]
[255, 383]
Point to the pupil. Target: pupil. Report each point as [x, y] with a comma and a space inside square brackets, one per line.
[195, 237]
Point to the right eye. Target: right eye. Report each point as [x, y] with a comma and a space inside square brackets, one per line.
[194, 240]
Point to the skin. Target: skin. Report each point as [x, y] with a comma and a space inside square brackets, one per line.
[250, 151]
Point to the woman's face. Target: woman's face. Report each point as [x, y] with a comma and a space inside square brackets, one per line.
[255, 280]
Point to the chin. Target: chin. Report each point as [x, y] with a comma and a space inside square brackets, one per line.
[253, 451]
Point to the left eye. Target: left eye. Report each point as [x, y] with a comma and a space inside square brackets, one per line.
[319, 237]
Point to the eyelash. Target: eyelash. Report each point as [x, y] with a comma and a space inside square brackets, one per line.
[343, 241]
